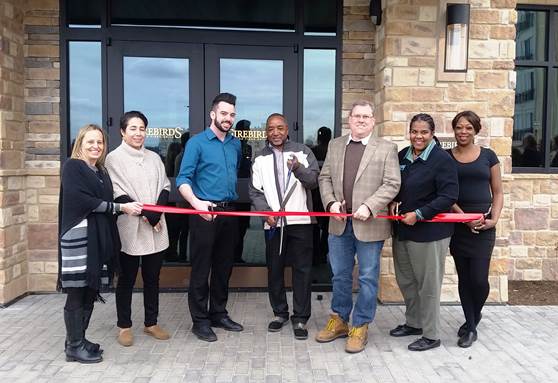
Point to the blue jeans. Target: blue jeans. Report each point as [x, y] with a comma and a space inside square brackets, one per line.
[342, 250]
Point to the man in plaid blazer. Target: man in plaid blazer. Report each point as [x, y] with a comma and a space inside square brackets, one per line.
[360, 176]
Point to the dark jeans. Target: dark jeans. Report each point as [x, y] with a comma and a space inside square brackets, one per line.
[473, 287]
[150, 270]
[79, 297]
[212, 247]
[297, 250]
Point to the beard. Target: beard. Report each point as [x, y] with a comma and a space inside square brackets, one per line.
[219, 126]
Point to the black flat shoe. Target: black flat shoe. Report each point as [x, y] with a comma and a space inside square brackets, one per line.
[227, 323]
[424, 344]
[467, 339]
[463, 329]
[300, 331]
[204, 332]
[277, 324]
[404, 330]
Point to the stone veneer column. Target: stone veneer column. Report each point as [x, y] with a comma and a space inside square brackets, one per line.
[13, 234]
[409, 80]
[358, 55]
[42, 140]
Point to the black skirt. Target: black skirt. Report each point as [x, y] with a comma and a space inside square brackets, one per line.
[465, 243]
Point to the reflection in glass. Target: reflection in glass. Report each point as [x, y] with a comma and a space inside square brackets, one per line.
[527, 147]
[555, 40]
[258, 86]
[159, 88]
[554, 122]
[85, 85]
[530, 41]
[318, 124]
[319, 93]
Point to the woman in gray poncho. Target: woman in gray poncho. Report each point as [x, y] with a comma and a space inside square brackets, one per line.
[139, 175]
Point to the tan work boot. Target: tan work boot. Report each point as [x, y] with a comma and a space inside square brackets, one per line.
[358, 337]
[125, 337]
[156, 332]
[335, 328]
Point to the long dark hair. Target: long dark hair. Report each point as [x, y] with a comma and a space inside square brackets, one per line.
[429, 120]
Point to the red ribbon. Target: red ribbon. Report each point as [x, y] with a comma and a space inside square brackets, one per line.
[444, 217]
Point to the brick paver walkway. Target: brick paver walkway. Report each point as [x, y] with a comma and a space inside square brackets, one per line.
[516, 344]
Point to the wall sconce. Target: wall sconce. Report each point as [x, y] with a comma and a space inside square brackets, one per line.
[375, 11]
[457, 38]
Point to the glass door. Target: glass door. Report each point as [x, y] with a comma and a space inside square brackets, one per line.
[173, 84]
[264, 79]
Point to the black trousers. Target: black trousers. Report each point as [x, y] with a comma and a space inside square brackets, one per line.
[212, 248]
[297, 251]
[79, 297]
[150, 270]
[473, 287]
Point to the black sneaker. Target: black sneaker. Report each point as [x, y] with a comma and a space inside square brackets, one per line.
[404, 330]
[424, 344]
[300, 331]
[276, 324]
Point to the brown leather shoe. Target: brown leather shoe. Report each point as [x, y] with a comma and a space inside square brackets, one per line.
[156, 332]
[125, 337]
[335, 328]
[358, 337]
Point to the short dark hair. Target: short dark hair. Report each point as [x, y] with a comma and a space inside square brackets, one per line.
[126, 117]
[470, 116]
[223, 97]
[273, 115]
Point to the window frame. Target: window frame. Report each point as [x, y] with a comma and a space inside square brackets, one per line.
[106, 33]
[550, 65]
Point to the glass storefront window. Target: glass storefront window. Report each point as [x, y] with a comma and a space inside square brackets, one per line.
[530, 40]
[320, 17]
[528, 144]
[554, 122]
[319, 97]
[84, 13]
[258, 86]
[251, 14]
[159, 88]
[85, 85]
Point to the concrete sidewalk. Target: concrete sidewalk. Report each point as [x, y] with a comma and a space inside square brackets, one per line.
[516, 344]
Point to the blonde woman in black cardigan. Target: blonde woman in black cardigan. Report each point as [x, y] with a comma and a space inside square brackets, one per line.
[88, 237]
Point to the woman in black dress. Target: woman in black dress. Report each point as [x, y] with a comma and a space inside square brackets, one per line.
[480, 191]
[88, 237]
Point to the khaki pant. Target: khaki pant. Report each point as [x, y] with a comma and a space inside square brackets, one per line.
[419, 270]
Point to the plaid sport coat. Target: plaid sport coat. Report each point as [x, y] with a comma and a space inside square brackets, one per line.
[376, 184]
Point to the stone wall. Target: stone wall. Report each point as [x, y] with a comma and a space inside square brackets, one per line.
[410, 79]
[358, 55]
[13, 230]
[42, 144]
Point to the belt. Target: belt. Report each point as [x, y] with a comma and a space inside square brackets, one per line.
[222, 204]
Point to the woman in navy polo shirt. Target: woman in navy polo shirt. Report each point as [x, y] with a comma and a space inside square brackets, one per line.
[480, 191]
[428, 187]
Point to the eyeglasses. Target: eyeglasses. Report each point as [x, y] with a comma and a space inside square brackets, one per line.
[365, 117]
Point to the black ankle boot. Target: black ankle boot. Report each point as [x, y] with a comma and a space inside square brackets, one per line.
[75, 344]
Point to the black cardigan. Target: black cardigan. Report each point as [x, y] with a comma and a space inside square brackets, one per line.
[430, 186]
[81, 191]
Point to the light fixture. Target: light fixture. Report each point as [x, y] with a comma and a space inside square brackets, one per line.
[375, 11]
[457, 37]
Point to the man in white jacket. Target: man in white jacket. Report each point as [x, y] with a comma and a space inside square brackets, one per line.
[283, 175]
